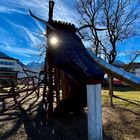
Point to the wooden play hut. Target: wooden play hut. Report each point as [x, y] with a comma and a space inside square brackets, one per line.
[73, 67]
[69, 69]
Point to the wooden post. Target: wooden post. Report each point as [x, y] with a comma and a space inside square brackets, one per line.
[57, 86]
[94, 104]
[111, 90]
[65, 86]
[50, 88]
[44, 100]
[51, 6]
[12, 90]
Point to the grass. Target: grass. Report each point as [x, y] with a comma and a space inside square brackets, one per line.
[121, 122]
[126, 97]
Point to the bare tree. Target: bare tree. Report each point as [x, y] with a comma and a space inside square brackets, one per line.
[90, 18]
[41, 48]
[118, 17]
[132, 57]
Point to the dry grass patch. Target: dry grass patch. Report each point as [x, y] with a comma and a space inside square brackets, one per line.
[122, 122]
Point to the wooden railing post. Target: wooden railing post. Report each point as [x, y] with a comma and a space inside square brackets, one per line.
[12, 90]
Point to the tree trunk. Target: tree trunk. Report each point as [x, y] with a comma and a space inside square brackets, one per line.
[111, 90]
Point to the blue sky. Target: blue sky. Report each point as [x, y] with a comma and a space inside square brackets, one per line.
[21, 34]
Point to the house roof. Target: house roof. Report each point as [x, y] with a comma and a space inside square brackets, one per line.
[134, 65]
[5, 56]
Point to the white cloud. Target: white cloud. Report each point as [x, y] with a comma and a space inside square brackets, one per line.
[64, 12]
[32, 36]
[20, 51]
[29, 36]
[128, 53]
[4, 9]
[40, 8]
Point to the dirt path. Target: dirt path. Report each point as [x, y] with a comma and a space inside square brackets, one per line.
[121, 124]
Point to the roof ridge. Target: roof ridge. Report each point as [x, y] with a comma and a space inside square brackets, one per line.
[3, 55]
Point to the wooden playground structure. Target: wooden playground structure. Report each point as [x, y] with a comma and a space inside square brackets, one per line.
[72, 76]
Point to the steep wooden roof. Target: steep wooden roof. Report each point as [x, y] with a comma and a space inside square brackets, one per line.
[71, 55]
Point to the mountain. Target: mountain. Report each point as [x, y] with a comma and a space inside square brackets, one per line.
[119, 63]
[35, 66]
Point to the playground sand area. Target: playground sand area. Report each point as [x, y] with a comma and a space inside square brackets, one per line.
[30, 122]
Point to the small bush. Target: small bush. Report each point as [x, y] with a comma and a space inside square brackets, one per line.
[4, 83]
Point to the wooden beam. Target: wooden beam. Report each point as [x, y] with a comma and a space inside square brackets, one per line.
[50, 90]
[64, 85]
[57, 86]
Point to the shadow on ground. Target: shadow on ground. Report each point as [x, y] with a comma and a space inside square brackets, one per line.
[39, 127]
[28, 120]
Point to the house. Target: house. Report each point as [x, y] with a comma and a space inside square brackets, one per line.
[135, 68]
[137, 71]
[13, 68]
[25, 71]
[7, 66]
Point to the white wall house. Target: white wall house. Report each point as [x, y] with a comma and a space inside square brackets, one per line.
[24, 71]
[137, 72]
[13, 68]
[135, 68]
[7, 66]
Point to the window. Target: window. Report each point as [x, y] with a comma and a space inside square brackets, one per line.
[8, 74]
[7, 63]
[6, 69]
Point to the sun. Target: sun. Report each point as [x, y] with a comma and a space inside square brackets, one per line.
[54, 41]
